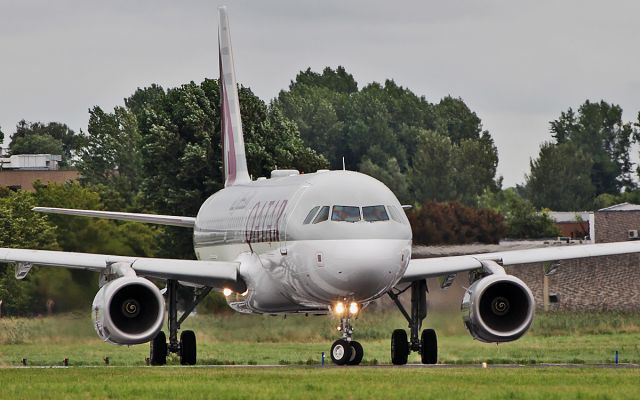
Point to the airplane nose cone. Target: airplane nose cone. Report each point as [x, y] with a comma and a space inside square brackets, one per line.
[360, 270]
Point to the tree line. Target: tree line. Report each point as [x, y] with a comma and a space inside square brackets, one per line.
[160, 152]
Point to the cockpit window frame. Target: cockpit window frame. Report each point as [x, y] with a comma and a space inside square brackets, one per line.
[395, 214]
[378, 207]
[347, 210]
[320, 217]
[312, 214]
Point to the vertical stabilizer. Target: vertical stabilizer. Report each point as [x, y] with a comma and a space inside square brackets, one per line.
[235, 160]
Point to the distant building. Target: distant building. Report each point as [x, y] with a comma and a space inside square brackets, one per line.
[22, 170]
[617, 223]
[573, 224]
[30, 162]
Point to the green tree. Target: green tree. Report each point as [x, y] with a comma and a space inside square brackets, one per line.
[35, 144]
[522, 219]
[48, 133]
[598, 130]
[22, 228]
[390, 174]
[560, 178]
[112, 155]
[456, 120]
[431, 176]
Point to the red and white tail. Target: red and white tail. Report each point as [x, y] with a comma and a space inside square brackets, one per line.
[235, 160]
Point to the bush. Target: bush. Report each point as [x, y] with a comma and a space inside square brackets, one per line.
[454, 223]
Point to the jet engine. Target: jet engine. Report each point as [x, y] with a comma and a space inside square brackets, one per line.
[498, 308]
[128, 310]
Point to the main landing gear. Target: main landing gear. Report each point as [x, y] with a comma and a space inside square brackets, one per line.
[346, 351]
[186, 347]
[425, 344]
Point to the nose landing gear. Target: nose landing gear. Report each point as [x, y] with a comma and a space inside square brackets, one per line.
[425, 344]
[346, 351]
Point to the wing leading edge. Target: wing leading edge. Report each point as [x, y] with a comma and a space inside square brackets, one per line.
[217, 274]
[186, 222]
[432, 267]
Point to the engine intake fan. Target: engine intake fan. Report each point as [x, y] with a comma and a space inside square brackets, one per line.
[128, 310]
[498, 308]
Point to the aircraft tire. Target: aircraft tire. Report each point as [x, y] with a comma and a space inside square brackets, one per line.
[188, 348]
[158, 349]
[341, 352]
[429, 347]
[357, 354]
[399, 347]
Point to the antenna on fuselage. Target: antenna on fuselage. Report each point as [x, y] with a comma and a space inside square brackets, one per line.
[344, 168]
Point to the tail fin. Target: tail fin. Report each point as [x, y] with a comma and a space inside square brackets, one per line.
[235, 160]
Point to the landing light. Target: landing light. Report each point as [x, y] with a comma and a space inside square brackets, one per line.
[339, 309]
[353, 308]
[227, 292]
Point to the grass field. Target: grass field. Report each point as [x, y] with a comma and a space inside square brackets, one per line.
[591, 338]
[319, 383]
[297, 342]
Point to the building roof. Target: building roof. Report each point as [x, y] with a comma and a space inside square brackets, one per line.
[622, 207]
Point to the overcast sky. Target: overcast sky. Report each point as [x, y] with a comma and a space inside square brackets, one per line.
[516, 64]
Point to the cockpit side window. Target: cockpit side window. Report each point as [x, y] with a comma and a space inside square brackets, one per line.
[311, 214]
[395, 214]
[345, 213]
[374, 213]
[323, 215]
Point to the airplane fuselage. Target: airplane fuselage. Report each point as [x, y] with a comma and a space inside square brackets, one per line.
[306, 241]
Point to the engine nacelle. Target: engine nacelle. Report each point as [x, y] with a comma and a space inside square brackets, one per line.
[128, 310]
[498, 308]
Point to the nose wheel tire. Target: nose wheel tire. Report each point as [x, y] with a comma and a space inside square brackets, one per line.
[341, 352]
[187, 348]
[158, 350]
[399, 347]
[429, 347]
[356, 354]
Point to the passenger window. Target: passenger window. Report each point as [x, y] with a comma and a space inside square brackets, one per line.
[395, 215]
[374, 213]
[345, 213]
[311, 214]
[323, 215]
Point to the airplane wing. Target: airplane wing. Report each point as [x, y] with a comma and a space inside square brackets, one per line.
[186, 222]
[432, 267]
[217, 274]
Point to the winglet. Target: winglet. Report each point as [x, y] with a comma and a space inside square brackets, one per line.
[235, 161]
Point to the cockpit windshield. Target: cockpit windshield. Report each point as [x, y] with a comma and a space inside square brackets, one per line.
[374, 213]
[345, 213]
[351, 214]
[323, 215]
[311, 214]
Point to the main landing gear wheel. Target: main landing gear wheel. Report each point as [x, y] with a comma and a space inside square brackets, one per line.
[185, 348]
[425, 344]
[188, 348]
[356, 354]
[399, 347]
[341, 352]
[429, 347]
[158, 350]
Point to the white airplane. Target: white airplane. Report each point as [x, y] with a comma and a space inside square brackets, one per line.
[318, 243]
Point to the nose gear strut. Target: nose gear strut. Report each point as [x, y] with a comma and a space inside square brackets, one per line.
[346, 351]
